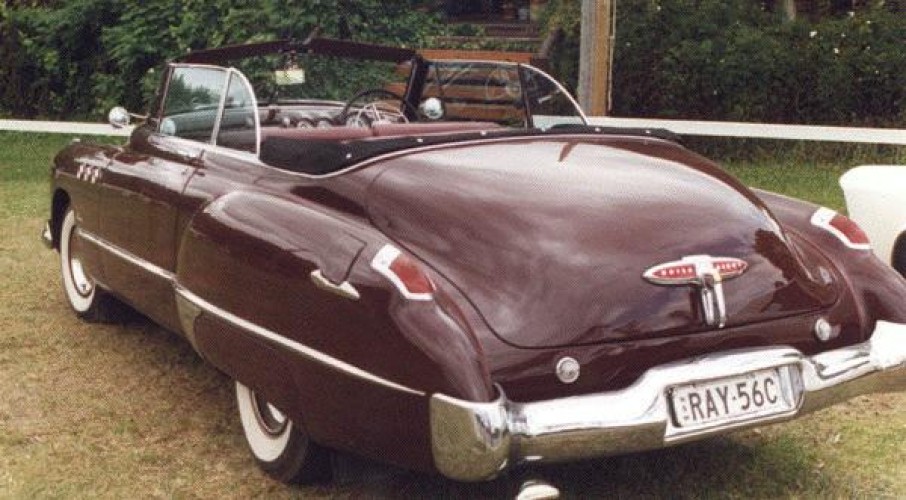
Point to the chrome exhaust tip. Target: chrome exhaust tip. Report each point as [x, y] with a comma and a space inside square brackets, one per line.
[535, 489]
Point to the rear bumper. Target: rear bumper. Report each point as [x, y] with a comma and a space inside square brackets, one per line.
[476, 441]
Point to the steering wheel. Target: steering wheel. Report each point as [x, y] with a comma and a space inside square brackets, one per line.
[370, 112]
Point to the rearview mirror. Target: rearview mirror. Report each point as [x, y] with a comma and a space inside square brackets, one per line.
[293, 76]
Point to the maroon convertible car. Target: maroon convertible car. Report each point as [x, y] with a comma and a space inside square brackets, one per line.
[439, 264]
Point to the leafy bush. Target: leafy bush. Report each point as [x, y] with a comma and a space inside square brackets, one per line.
[78, 58]
[733, 60]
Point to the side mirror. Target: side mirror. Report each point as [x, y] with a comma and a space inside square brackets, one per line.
[432, 108]
[118, 117]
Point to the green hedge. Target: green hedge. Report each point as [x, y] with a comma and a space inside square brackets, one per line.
[694, 59]
[78, 58]
[734, 60]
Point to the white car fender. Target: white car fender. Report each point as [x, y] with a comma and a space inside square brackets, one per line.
[876, 200]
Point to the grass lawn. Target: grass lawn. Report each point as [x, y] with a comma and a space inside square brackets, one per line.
[129, 410]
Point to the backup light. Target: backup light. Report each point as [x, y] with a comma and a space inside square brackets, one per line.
[842, 227]
[404, 272]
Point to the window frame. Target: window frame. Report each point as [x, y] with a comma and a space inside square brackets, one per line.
[228, 73]
[528, 68]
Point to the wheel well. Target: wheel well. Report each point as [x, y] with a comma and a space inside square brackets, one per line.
[57, 212]
[898, 257]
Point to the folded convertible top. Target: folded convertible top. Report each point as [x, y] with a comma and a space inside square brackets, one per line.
[320, 157]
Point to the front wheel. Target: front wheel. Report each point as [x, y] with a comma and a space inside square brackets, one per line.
[86, 299]
[281, 448]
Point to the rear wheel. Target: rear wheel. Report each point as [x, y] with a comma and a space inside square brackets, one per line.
[282, 448]
[87, 300]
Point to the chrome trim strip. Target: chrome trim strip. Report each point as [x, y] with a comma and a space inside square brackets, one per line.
[292, 345]
[220, 105]
[344, 289]
[47, 236]
[251, 91]
[473, 441]
[127, 256]
[92, 162]
[188, 313]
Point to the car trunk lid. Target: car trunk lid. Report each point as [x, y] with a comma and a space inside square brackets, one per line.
[550, 237]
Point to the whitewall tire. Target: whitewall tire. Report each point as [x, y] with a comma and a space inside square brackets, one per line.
[281, 447]
[86, 299]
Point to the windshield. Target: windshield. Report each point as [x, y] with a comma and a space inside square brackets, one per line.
[359, 91]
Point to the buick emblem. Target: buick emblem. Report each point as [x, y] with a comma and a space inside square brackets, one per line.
[706, 274]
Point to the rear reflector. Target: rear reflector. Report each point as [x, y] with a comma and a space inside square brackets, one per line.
[841, 226]
[404, 272]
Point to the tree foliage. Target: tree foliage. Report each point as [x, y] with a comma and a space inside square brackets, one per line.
[80, 57]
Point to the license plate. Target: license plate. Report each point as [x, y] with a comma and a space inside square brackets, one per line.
[755, 395]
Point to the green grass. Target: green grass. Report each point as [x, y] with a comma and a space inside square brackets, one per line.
[122, 411]
[815, 182]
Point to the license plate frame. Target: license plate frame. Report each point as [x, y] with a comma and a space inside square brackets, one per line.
[733, 400]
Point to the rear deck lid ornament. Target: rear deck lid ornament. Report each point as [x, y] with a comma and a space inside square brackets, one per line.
[704, 273]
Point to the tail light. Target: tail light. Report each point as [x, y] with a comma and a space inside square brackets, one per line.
[404, 272]
[841, 226]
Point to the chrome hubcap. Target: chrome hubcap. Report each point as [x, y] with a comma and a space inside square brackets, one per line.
[272, 420]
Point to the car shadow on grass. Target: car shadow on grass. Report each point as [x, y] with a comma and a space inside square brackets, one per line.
[743, 464]
[716, 467]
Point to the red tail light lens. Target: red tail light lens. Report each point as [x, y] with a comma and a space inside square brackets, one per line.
[404, 272]
[841, 226]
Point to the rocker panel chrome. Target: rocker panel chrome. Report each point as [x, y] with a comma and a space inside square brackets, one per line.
[190, 306]
[47, 236]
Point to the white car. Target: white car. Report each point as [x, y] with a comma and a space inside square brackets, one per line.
[876, 200]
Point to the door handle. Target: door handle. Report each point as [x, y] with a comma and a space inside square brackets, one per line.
[344, 289]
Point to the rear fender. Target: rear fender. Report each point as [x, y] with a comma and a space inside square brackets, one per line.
[879, 293]
[338, 364]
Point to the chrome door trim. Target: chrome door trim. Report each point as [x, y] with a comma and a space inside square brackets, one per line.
[296, 347]
[127, 256]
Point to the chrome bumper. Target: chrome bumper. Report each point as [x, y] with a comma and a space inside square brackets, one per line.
[476, 441]
[46, 235]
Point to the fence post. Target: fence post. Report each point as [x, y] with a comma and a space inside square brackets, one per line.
[595, 56]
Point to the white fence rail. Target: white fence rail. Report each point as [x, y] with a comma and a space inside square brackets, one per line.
[76, 128]
[762, 130]
[681, 127]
